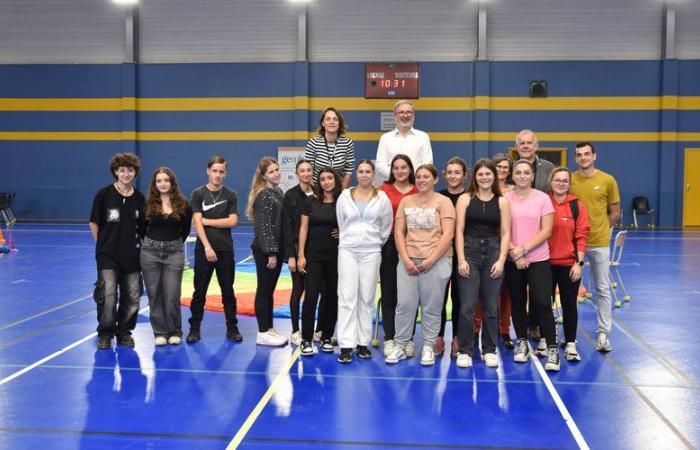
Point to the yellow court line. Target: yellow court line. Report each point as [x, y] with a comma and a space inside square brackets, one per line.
[360, 136]
[492, 103]
[253, 416]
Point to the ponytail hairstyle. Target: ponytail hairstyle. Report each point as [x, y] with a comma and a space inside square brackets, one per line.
[374, 189]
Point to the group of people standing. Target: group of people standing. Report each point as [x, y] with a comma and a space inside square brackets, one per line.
[501, 246]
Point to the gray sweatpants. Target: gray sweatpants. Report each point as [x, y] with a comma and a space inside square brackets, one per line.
[426, 290]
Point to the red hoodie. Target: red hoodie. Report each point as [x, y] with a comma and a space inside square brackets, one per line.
[561, 243]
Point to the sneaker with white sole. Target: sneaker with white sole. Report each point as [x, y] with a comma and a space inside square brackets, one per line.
[388, 347]
[295, 338]
[552, 363]
[174, 340]
[522, 352]
[541, 347]
[327, 345]
[491, 360]
[410, 349]
[463, 360]
[603, 343]
[427, 356]
[307, 348]
[160, 340]
[270, 338]
[395, 356]
[571, 352]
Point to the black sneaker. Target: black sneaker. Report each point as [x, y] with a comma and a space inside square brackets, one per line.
[104, 342]
[507, 341]
[194, 336]
[126, 341]
[345, 356]
[327, 345]
[363, 352]
[233, 335]
[307, 348]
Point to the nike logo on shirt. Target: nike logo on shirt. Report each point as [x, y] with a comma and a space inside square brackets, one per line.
[206, 207]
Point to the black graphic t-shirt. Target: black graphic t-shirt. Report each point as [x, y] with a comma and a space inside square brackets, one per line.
[120, 229]
[215, 205]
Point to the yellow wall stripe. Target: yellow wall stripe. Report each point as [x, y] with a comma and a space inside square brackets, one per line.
[653, 103]
[481, 136]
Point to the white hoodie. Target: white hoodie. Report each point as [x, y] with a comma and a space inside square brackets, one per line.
[364, 234]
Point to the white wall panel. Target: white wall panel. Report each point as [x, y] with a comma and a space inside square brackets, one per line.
[687, 29]
[392, 30]
[218, 31]
[574, 29]
[61, 31]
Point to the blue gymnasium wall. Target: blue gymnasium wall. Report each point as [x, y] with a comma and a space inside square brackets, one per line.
[55, 155]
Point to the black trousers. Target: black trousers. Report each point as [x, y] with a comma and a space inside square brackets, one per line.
[225, 267]
[451, 290]
[387, 284]
[321, 280]
[538, 278]
[568, 292]
[265, 291]
[295, 298]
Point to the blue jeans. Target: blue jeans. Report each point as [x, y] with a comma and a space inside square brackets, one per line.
[481, 254]
[162, 264]
[118, 305]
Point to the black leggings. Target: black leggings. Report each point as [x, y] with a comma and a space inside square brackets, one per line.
[538, 278]
[265, 292]
[321, 279]
[295, 298]
[451, 290]
[568, 292]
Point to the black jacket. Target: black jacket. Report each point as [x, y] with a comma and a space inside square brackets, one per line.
[294, 200]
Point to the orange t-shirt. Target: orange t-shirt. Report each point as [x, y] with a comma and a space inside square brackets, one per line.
[423, 223]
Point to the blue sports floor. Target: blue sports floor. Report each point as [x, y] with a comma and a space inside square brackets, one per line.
[58, 391]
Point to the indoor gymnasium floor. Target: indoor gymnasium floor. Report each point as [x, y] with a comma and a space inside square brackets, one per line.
[58, 391]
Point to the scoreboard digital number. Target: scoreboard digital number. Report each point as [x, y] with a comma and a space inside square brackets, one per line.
[400, 80]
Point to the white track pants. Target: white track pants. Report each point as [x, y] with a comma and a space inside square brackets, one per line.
[357, 285]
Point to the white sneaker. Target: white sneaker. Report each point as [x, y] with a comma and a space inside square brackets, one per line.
[571, 352]
[541, 347]
[271, 339]
[410, 349]
[491, 360]
[388, 347]
[295, 338]
[174, 340]
[427, 356]
[160, 340]
[603, 343]
[463, 360]
[522, 352]
[395, 356]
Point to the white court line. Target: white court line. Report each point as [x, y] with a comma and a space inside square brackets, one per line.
[558, 401]
[53, 355]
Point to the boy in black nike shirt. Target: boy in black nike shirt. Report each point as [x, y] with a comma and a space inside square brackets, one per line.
[215, 212]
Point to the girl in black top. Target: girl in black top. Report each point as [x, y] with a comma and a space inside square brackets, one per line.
[294, 200]
[455, 175]
[318, 259]
[168, 222]
[481, 239]
[265, 209]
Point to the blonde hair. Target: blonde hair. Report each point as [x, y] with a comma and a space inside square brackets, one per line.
[258, 184]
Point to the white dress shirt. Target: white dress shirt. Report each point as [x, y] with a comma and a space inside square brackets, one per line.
[415, 144]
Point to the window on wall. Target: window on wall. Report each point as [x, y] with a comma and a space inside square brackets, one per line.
[555, 155]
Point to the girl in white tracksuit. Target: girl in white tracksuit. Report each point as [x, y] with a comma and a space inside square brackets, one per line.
[365, 219]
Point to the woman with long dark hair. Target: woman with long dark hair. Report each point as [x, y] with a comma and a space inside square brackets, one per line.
[402, 182]
[481, 239]
[168, 222]
[292, 205]
[318, 261]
